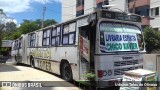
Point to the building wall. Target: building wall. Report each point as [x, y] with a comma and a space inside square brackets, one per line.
[138, 3]
[89, 6]
[155, 23]
[140, 7]
[68, 9]
[120, 4]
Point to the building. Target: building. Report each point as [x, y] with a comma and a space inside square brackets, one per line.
[68, 9]
[88, 6]
[140, 7]
[155, 13]
[81, 7]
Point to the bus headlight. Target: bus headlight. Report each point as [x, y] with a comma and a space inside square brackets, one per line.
[102, 73]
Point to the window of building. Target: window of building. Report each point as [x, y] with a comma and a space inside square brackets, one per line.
[154, 11]
[130, 1]
[80, 2]
[55, 37]
[105, 2]
[79, 13]
[137, 11]
[46, 37]
[69, 32]
[157, 11]
[142, 10]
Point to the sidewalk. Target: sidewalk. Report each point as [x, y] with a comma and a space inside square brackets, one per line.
[10, 62]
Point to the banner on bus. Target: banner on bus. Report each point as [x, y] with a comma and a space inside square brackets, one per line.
[84, 47]
[120, 42]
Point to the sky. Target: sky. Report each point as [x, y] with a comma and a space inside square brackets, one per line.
[19, 10]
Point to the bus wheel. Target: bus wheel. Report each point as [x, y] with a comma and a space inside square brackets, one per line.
[66, 72]
[32, 62]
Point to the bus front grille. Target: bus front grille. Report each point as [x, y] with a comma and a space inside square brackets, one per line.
[124, 63]
[120, 71]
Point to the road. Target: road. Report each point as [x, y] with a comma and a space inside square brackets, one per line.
[28, 75]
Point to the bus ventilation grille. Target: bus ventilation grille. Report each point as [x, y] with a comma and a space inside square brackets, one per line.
[124, 63]
[120, 71]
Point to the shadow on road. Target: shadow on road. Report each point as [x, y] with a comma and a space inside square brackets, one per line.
[7, 68]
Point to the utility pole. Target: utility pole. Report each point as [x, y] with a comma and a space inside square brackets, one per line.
[43, 13]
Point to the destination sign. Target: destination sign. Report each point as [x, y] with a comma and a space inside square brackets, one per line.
[120, 16]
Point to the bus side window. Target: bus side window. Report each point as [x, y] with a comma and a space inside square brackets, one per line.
[32, 40]
[69, 31]
[55, 36]
[46, 38]
[20, 43]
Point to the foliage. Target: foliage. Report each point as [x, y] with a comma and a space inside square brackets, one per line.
[49, 22]
[152, 39]
[27, 27]
[12, 32]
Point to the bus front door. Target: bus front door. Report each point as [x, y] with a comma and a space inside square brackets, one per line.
[86, 52]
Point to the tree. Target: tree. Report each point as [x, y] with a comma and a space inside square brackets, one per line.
[152, 39]
[28, 26]
[49, 22]
[11, 31]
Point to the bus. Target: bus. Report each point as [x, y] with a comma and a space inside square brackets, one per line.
[97, 47]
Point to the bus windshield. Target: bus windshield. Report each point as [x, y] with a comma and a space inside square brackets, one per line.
[120, 37]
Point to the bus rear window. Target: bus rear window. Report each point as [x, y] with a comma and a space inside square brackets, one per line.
[120, 37]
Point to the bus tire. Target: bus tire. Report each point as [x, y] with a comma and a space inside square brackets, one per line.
[66, 72]
[32, 62]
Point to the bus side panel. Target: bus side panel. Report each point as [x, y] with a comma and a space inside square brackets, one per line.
[51, 61]
[65, 53]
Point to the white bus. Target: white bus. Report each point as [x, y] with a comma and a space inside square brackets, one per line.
[96, 47]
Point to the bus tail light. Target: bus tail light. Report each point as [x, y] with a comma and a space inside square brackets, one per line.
[100, 73]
